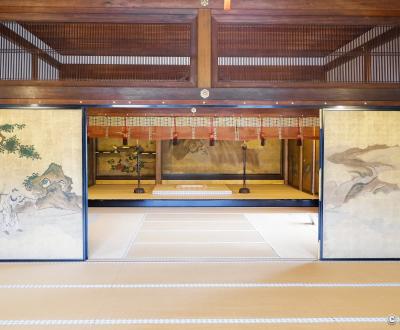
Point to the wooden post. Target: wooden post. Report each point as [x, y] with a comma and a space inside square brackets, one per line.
[367, 67]
[35, 66]
[301, 168]
[92, 161]
[158, 162]
[204, 48]
[314, 159]
[286, 161]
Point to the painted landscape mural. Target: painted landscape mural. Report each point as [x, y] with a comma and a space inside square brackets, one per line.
[361, 193]
[196, 156]
[41, 184]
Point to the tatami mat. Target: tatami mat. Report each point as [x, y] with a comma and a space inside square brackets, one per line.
[338, 326]
[194, 304]
[197, 303]
[199, 272]
[175, 235]
[195, 289]
[160, 237]
[209, 250]
[195, 215]
[197, 225]
[258, 191]
[111, 237]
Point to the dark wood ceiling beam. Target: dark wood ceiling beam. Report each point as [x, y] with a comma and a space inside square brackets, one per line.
[365, 48]
[342, 7]
[130, 73]
[266, 17]
[25, 44]
[16, 94]
[203, 112]
[92, 15]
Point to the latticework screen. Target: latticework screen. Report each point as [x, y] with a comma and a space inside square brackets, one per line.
[145, 52]
[259, 53]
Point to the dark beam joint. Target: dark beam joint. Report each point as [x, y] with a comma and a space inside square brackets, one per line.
[28, 46]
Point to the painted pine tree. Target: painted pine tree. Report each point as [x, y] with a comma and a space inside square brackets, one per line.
[11, 144]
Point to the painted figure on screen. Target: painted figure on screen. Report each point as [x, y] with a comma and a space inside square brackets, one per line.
[41, 184]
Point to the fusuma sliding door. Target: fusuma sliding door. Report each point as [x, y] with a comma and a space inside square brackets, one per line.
[361, 184]
[42, 186]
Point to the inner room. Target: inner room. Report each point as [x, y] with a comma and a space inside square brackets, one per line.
[253, 173]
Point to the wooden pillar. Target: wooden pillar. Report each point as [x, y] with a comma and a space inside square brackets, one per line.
[158, 162]
[35, 66]
[314, 165]
[204, 48]
[286, 161]
[92, 161]
[301, 168]
[367, 67]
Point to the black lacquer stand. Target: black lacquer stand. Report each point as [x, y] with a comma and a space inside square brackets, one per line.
[244, 189]
[138, 189]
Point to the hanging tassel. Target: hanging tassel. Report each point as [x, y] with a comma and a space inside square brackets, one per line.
[125, 134]
[212, 140]
[175, 139]
[175, 134]
[262, 137]
[299, 139]
[212, 134]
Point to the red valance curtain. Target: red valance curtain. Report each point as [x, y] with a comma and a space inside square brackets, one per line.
[220, 128]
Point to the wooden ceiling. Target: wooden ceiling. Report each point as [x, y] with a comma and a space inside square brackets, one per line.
[343, 20]
[173, 39]
[105, 39]
[284, 40]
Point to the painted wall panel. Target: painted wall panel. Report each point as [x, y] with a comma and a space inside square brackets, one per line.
[361, 184]
[225, 157]
[123, 163]
[294, 159]
[41, 205]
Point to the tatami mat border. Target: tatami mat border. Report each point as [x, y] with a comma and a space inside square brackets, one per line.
[199, 285]
[195, 321]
